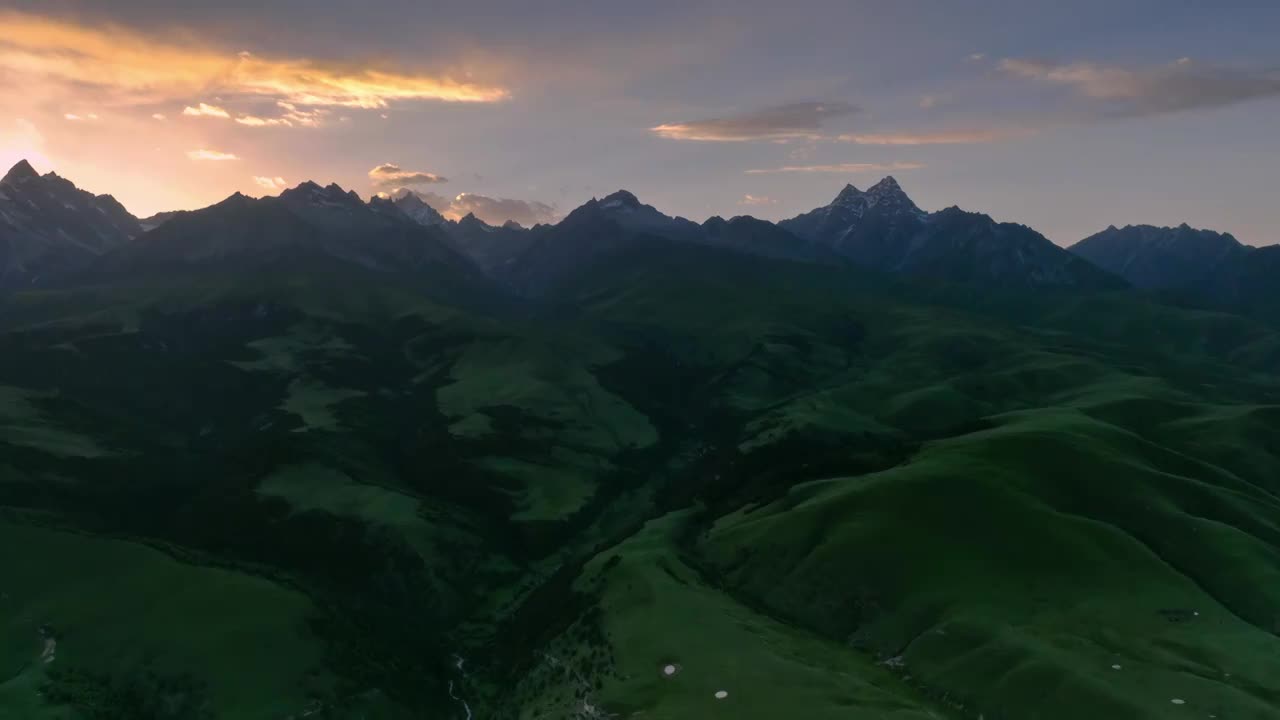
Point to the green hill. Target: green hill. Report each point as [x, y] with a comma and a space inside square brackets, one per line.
[825, 492]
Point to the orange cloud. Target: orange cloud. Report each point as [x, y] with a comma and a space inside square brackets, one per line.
[253, 121]
[306, 118]
[757, 200]
[206, 110]
[270, 184]
[138, 68]
[210, 155]
[292, 116]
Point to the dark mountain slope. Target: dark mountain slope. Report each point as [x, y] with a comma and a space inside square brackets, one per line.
[1196, 267]
[1156, 258]
[620, 221]
[305, 224]
[49, 227]
[492, 248]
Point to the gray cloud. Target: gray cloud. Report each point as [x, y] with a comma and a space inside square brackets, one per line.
[845, 168]
[938, 137]
[1129, 92]
[1100, 93]
[389, 175]
[781, 122]
[494, 211]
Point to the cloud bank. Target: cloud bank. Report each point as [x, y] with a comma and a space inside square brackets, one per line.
[1134, 92]
[134, 67]
[390, 175]
[780, 122]
[270, 184]
[206, 110]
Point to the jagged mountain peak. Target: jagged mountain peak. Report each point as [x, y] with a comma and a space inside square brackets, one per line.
[881, 228]
[335, 190]
[310, 192]
[471, 219]
[412, 204]
[888, 181]
[620, 199]
[383, 204]
[1138, 234]
[311, 187]
[625, 209]
[848, 194]
[408, 200]
[234, 200]
[887, 186]
[887, 193]
[19, 172]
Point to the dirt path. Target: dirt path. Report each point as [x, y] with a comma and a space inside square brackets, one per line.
[457, 664]
[465, 706]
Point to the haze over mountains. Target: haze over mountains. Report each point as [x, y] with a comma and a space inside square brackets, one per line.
[53, 231]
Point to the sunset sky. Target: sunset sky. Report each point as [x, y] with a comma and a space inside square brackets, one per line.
[1063, 116]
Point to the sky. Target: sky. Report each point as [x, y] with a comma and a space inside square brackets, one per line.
[1067, 117]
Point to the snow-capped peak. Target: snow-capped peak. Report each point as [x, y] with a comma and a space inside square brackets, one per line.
[886, 185]
[411, 204]
[889, 193]
[619, 200]
[849, 195]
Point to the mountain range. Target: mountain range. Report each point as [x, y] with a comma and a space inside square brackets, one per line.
[52, 232]
[883, 229]
[53, 229]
